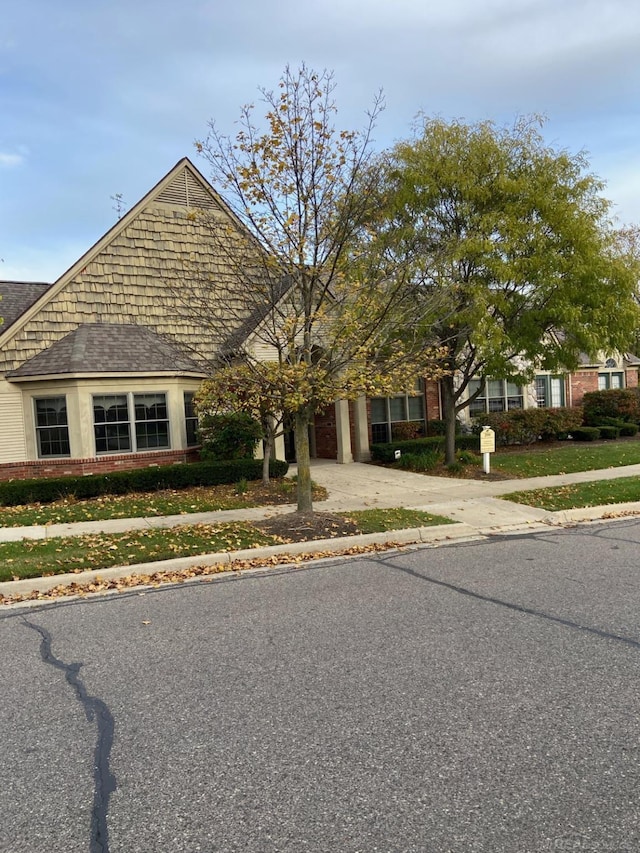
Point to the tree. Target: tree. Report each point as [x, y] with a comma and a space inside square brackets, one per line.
[312, 290]
[251, 389]
[515, 238]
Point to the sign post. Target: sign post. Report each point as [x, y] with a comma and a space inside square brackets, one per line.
[487, 447]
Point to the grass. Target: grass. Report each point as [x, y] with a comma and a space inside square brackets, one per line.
[566, 459]
[376, 520]
[31, 558]
[150, 504]
[596, 493]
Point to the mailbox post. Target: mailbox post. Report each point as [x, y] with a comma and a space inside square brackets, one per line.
[487, 447]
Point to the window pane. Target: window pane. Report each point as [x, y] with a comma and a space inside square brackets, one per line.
[190, 419]
[513, 390]
[378, 410]
[111, 423]
[52, 432]
[495, 388]
[616, 380]
[541, 391]
[152, 424]
[557, 391]
[603, 382]
[473, 386]
[416, 408]
[397, 408]
[380, 433]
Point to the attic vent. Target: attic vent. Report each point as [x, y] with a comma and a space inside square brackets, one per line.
[185, 191]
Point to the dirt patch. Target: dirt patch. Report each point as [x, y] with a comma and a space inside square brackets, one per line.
[303, 526]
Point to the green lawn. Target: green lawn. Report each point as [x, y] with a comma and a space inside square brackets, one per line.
[150, 504]
[596, 493]
[566, 459]
[37, 557]
[375, 520]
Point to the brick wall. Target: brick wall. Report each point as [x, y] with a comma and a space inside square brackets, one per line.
[631, 377]
[581, 383]
[432, 400]
[99, 465]
[326, 437]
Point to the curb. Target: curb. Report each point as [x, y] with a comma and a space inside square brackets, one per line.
[409, 536]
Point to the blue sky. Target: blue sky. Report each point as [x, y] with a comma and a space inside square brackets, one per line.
[99, 97]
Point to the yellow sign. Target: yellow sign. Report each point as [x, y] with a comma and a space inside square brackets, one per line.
[487, 440]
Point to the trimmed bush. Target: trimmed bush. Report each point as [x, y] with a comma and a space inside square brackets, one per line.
[629, 429]
[620, 403]
[609, 432]
[586, 433]
[231, 436]
[151, 479]
[385, 453]
[526, 426]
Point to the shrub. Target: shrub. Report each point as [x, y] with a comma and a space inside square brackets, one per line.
[438, 427]
[16, 492]
[526, 426]
[629, 429]
[609, 432]
[586, 433]
[620, 403]
[406, 430]
[229, 436]
[420, 462]
[385, 453]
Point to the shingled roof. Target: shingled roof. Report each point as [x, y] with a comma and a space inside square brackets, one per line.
[17, 296]
[108, 349]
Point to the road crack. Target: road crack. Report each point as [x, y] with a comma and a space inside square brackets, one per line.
[94, 709]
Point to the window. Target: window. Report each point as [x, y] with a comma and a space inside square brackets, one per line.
[387, 411]
[190, 419]
[549, 391]
[499, 395]
[112, 422]
[52, 430]
[612, 379]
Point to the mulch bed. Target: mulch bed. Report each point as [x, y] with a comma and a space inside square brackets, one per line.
[303, 526]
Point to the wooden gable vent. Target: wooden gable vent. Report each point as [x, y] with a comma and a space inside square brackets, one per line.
[185, 191]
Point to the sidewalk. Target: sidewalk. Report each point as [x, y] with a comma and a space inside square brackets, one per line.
[359, 486]
[472, 504]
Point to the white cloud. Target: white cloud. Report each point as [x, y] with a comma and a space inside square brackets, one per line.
[10, 160]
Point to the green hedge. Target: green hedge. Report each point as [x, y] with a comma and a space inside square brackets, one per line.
[585, 434]
[609, 432]
[386, 452]
[620, 403]
[150, 479]
[526, 426]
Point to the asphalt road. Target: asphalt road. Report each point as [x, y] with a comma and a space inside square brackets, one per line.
[478, 697]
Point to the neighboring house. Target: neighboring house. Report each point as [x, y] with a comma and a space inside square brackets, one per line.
[99, 369]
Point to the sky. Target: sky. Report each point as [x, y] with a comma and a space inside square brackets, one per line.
[103, 97]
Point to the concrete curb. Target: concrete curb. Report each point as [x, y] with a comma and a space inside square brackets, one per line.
[410, 536]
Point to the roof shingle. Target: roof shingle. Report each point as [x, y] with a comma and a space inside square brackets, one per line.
[108, 349]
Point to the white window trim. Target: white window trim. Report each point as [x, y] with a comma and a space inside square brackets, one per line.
[131, 421]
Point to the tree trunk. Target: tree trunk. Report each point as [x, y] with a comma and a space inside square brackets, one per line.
[303, 459]
[449, 407]
[265, 460]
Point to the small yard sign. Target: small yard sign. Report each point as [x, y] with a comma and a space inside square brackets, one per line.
[487, 447]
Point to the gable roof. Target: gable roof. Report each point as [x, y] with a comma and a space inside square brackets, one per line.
[183, 185]
[102, 348]
[16, 297]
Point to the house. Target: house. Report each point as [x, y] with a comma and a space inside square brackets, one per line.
[98, 370]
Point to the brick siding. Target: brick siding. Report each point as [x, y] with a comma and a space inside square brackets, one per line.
[99, 465]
